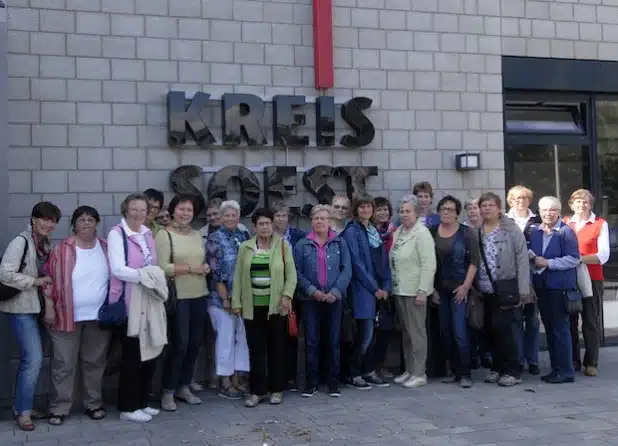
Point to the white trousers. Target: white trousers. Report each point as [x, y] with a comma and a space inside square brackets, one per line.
[231, 350]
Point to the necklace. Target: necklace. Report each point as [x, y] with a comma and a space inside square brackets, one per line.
[180, 229]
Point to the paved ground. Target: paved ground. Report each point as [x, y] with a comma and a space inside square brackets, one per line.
[532, 414]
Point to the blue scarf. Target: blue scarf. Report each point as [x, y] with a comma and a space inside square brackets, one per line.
[375, 241]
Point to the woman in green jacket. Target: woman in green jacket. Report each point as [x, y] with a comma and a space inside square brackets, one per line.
[264, 283]
[413, 266]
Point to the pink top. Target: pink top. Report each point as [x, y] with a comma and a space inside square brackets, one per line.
[322, 265]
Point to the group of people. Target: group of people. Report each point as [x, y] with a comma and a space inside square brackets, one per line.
[361, 277]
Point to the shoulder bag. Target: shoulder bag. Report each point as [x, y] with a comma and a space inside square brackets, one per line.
[114, 316]
[507, 290]
[172, 296]
[8, 292]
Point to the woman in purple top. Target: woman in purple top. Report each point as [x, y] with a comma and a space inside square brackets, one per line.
[324, 271]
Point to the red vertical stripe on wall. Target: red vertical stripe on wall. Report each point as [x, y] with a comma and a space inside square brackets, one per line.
[323, 43]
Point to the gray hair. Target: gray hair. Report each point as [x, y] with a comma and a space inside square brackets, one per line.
[549, 202]
[471, 203]
[230, 204]
[136, 196]
[322, 208]
[410, 199]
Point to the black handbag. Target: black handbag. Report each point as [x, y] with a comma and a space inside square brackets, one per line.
[385, 315]
[114, 316]
[507, 290]
[8, 292]
[574, 301]
[172, 295]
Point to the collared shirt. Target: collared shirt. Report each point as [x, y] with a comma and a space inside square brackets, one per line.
[521, 222]
[115, 247]
[558, 263]
[603, 240]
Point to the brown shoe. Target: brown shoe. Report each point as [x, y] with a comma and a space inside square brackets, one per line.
[590, 371]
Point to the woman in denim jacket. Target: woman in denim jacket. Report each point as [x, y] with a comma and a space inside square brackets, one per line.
[371, 280]
[324, 270]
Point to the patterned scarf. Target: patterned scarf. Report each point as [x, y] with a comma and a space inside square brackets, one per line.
[386, 231]
[375, 241]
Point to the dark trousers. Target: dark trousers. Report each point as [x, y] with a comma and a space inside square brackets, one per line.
[503, 325]
[529, 338]
[555, 316]
[360, 361]
[318, 317]
[479, 348]
[591, 327]
[436, 357]
[135, 377]
[454, 332]
[292, 344]
[186, 330]
[266, 339]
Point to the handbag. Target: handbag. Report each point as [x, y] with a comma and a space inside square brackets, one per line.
[292, 319]
[385, 315]
[8, 292]
[476, 310]
[172, 296]
[507, 290]
[113, 316]
[573, 301]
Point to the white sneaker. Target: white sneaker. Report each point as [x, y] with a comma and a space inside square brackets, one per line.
[151, 411]
[415, 381]
[138, 416]
[402, 378]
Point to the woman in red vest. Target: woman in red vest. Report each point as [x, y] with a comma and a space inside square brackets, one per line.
[593, 239]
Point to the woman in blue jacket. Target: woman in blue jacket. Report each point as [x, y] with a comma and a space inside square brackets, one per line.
[371, 280]
[554, 276]
[324, 270]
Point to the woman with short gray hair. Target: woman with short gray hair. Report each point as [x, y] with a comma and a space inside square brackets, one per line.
[413, 266]
[555, 260]
[231, 350]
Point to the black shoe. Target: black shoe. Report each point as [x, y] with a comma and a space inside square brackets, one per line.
[309, 391]
[374, 380]
[333, 390]
[359, 383]
[533, 369]
[548, 376]
[559, 379]
[292, 386]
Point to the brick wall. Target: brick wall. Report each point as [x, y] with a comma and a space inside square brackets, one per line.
[88, 78]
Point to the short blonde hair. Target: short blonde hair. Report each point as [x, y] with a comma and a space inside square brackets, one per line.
[581, 194]
[321, 208]
[515, 191]
[549, 202]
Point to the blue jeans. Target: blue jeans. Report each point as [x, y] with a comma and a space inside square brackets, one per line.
[187, 328]
[529, 337]
[360, 363]
[552, 306]
[28, 336]
[454, 333]
[322, 317]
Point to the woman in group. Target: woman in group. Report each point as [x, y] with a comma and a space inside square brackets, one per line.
[22, 268]
[182, 256]
[458, 258]
[371, 280]
[131, 247]
[593, 240]
[504, 260]
[282, 227]
[556, 258]
[529, 338]
[80, 279]
[324, 271]
[231, 351]
[413, 267]
[385, 319]
[479, 352]
[264, 284]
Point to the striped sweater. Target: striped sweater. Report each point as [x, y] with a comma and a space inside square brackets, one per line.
[260, 277]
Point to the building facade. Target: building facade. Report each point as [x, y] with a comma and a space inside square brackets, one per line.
[527, 85]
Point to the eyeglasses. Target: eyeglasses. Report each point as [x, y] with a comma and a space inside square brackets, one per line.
[342, 207]
[448, 210]
[83, 220]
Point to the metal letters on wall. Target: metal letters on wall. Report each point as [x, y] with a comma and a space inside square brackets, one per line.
[241, 115]
[279, 184]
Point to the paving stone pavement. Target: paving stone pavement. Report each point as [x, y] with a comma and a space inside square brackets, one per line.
[531, 414]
